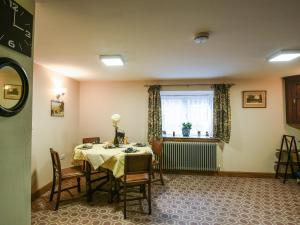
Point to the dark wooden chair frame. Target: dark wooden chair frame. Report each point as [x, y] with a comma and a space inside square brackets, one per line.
[58, 177]
[157, 148]
[136, 164]
[105, 174]
[92, 140]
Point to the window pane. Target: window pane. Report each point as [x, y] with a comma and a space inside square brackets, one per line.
[181, 107]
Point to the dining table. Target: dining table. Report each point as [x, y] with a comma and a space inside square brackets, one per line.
[104, 156]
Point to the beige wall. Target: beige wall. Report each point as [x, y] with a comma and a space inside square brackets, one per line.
[15, 145]
[256, 133]
[59, 133]
[99, 100]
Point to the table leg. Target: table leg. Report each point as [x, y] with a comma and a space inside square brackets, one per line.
[88, 182]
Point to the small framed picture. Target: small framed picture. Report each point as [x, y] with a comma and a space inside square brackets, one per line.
[254, 99]
[57, 108]
[12, 91]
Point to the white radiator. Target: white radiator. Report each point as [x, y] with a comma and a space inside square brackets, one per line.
[189, 156]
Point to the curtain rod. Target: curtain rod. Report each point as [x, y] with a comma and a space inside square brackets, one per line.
[175, 85]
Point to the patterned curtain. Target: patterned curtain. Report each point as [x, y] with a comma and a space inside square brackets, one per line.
[154, 113]
[222, 112]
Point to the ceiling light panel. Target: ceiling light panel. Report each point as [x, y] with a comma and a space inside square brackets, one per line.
[112, 60]
[284, 56]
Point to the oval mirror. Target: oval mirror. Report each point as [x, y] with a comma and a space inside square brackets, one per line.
[13, 87]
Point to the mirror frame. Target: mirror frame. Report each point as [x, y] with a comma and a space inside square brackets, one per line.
[25, 87]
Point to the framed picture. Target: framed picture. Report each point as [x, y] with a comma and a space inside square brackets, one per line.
[254, 99]
[57, 108]
[12, 91]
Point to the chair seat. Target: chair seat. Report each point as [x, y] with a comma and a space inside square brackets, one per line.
[136, 178]
[70, 172]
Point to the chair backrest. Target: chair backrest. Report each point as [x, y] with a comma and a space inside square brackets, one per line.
[93, 140]
[137, 164]
[157, 147]
[55, 161]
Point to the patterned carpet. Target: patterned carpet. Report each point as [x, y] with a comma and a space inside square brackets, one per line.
[187, 199]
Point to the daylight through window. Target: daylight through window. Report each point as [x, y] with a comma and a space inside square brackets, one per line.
[195, 107]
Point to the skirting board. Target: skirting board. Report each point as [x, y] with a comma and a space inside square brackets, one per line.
[224, 173]
[246, 174]
[41, 191]
[47, 187]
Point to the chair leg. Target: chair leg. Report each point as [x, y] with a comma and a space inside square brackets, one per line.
[58, 193]
[143, 190]
[161, 175]
[107, 177]
[88, 181]
[125, 193]
[149, 197]
[83, 166]
[110, 192]
[52, 188]
[153, 175]
[118, 190]
[78, 185]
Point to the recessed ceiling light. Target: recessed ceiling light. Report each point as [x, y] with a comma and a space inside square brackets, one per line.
[284, 56]
[112, 60]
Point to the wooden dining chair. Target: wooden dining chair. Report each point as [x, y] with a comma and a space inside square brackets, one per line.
[100, 173]
[157, 148]
[137, 172]
[60, 175]
[89, 140]
[92, 140]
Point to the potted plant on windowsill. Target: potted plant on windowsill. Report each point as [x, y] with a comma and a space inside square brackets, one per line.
[186, 128]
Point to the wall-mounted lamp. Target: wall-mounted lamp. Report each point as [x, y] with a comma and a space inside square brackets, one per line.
[59, 92]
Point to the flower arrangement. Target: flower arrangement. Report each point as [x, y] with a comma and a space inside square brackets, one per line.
[115, 119]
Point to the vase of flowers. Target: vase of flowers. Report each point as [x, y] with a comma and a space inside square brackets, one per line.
[186, 129]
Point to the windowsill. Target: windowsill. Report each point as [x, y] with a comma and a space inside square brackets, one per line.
[190, 139]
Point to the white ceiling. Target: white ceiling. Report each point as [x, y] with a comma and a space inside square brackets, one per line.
[155, 37]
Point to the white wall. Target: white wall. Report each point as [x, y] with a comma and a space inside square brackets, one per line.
[59, 133]
[256, 133]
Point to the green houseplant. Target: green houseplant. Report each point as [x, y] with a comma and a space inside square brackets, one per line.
[186, 128]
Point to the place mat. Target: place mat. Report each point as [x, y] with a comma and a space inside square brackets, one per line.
[109, 146]
[86, 146]
[140, 145]
[130, 150]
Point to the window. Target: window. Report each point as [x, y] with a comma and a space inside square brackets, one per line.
[195, 107]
